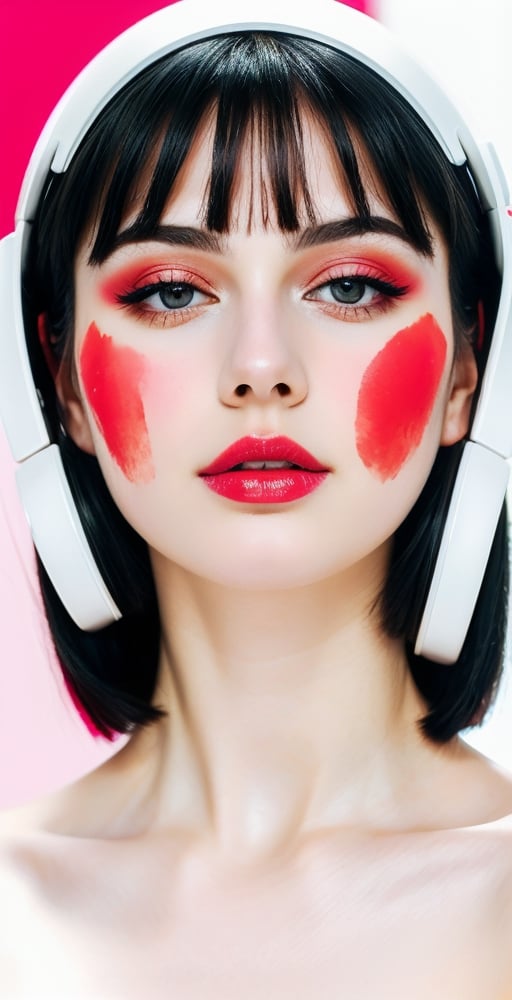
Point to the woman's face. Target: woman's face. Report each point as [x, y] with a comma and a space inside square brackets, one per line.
[329, 352]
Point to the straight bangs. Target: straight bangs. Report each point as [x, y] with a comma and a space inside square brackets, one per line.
[255, 91]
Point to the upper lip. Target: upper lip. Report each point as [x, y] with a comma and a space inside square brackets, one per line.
[263, 449]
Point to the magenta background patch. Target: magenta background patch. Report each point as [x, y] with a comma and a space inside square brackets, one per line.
[43, 46]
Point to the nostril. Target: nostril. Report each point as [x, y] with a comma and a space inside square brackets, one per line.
[283, 389]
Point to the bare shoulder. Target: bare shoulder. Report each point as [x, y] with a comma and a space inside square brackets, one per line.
[490, 851]
[81, 808]
[24, 851]
[500, 833]
[32, 863]
[19, 820]
[24, 923]
[488, 839]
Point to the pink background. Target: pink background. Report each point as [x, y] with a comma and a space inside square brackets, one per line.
[43, 742]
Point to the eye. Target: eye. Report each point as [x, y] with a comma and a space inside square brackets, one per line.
[162, 296]
[347, 291]
[354, 290]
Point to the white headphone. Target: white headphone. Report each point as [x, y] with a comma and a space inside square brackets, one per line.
[482, 478]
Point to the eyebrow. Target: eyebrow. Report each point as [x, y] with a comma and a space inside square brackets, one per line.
[316, 235]
[178, 236]
[342, 229]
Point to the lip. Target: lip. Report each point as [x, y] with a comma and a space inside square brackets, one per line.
[264, 485]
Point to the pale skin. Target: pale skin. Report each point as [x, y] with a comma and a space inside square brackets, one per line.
[285, 831]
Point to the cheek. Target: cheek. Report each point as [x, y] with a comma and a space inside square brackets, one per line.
[113, 377]
[397, 396]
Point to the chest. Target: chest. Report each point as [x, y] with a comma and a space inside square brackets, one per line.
[359, 926]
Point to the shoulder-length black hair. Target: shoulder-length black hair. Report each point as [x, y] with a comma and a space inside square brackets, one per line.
[257, 85]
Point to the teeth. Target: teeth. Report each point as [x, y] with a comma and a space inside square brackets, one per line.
[265, 465]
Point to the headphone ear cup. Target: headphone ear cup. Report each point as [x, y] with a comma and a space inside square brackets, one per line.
[61, 542]
[475, 507]
[42, 483]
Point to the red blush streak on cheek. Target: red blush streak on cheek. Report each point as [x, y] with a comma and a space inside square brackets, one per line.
[113, 376]
[397, 396]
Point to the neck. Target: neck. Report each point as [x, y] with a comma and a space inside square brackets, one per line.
[283, 709]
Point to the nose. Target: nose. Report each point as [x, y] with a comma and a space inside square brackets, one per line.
[262, 363]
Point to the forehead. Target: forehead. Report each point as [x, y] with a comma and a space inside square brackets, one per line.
[325, 195]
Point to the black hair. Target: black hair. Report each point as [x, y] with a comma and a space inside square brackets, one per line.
[257, 85]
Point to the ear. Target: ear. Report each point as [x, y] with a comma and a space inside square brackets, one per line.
[464, 381]
[74, 416]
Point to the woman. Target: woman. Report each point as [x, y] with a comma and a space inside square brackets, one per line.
[263, 295]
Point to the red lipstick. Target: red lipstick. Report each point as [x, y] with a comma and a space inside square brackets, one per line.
[264, 470]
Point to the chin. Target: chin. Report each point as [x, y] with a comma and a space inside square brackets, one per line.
[261, 567]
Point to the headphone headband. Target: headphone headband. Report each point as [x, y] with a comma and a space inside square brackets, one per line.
[344, 29]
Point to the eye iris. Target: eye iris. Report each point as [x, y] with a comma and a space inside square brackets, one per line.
[347, 290]
[176, 296]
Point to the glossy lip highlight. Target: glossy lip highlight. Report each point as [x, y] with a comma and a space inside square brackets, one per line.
[276, 485]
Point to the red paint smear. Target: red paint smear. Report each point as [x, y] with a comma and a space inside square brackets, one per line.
[112, 376]
[397, 396]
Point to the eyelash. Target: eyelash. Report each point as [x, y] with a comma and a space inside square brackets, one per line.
[136, 299]
[386, 291]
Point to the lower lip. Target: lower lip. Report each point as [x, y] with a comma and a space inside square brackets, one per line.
[265, 485]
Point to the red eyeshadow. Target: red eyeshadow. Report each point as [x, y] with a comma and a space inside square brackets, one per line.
[385, 264]
[397, 395]
[113, 376]
[128, 277]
